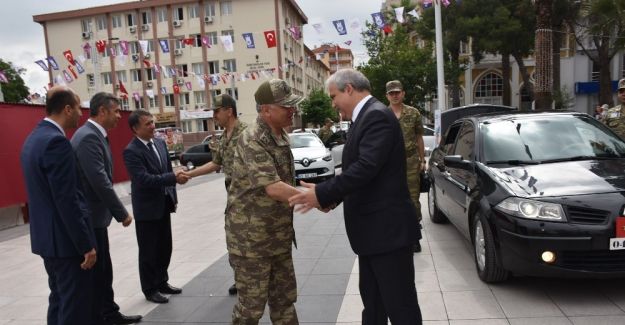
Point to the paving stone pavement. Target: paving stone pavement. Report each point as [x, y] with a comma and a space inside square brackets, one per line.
[449, 290]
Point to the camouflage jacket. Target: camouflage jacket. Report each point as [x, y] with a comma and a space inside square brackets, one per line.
[223, 153]
[411, 128]
[256, 225]
[615, 119]
[325, 134]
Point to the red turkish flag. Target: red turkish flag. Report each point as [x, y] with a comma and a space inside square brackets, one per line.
[176, 89]
[100, 46]
[147, 63]
[71, 69]
[122, 89]
[68, 55]
[387, 29]
[270, 37]
[188, 41]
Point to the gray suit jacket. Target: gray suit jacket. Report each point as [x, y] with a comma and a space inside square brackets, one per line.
[95, 165]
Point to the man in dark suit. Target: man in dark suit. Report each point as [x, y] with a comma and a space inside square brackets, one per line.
[95, 164]
[380, 218]
[153, 186]
[60, 231]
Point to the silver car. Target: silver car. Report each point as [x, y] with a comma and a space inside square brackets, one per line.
[429, 140]
[313, 161]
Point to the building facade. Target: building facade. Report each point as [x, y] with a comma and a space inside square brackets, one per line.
[177, 57]
[335, 56]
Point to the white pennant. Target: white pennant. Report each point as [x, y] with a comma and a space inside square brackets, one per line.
[150, 93]
[226, 40]
[414, 13]
[399, 13]
[144, 46]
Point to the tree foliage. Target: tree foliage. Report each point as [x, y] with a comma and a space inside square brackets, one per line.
[317, 107]
[15, 91]
[398, 58]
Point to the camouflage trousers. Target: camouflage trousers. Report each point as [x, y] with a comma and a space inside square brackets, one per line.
[262, 280]
[413, 171]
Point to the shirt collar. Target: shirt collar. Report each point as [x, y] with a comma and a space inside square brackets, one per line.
[99, 127]
[55, 124]
[359, 106]
[145, 142]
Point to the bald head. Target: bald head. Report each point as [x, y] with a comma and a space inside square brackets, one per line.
[59, 97]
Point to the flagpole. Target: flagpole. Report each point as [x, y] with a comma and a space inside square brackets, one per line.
[440, 71]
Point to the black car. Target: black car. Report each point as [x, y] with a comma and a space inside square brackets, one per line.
[539, 193]
[196, 155]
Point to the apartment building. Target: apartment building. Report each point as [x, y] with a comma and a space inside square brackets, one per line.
[177, 60]
[335, 56]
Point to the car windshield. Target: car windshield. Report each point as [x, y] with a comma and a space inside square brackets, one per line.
[549, 138]
[305, 140]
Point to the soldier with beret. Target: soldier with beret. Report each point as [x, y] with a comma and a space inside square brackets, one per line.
[615, 116]
[325, 134]
[259, 220]
[412, 130]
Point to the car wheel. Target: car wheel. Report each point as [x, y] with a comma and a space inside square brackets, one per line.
[486, 260]
[435, 214]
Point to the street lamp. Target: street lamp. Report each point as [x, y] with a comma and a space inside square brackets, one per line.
[234, 94]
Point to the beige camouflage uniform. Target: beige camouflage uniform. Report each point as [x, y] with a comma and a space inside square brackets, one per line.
[615, 119]
[412, 127]
[259, 230]
[223, 151]
[325, 133]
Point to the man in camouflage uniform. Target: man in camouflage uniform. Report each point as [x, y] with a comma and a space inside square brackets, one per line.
[259, 221]
[326, 131]
[615, 116]
[225, 114]
[412, 130]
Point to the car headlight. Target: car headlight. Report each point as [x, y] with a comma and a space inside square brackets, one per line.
[530, 209]
[327, 158]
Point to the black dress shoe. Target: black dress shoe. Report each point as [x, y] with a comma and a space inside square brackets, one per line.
[123, 319]
[157, 297]
[232, 290]
[169, 289]
[417, 247]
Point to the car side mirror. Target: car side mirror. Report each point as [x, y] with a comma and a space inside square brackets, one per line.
[456, 161]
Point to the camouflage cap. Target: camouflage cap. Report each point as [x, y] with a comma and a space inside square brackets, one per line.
[621, 84]
[276, 91]
[394, 85]
[223, 100]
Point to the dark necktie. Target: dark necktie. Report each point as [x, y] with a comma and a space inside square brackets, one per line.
[151, 146]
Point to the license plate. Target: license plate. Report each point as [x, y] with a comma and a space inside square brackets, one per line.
[617, 244]
[308, 175]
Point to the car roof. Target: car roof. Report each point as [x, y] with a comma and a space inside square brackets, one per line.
[500, 116]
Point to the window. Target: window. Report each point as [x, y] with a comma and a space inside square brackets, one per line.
[169, 99]
[212, 38]
[179, 14]
[131, 20]
[200, 125]
[491, 85]
[138, 103]
[136, 75]
[209, 9]
[236, 92]
[101, 23]
[146, 17]
[106, 78]
[230, 65]
[116, 21]
[161, 13]
[90, 80]
[149, 73]
[594, 76]
[215, 93]
[85, 25]
[449, 140]
[465, 142]
[194, 11]
[200, 97]
[213, 67]
[183, 70]
[121, 76]
[134, 47]
[228, 32]
[226, 8]
[197, 68]
[186, 126]
[198, 40]
[179, 44]
[464, 48]
[107, 52]
[150, 45]
[124, 103]
[184, 99]
[153, 101]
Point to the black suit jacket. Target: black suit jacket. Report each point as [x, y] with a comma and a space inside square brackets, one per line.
[379, 215]
[152, 182]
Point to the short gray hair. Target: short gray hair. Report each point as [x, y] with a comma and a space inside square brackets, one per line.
[102, 99]
[349, 76]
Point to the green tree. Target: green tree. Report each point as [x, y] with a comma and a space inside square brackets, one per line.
[317, 107]
[398, 58]
[14, 91]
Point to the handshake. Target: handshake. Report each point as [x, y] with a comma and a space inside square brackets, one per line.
[182, 176]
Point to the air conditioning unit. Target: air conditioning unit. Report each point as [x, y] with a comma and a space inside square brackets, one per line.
[145, 27]
[132, 29]
[177, 23]
[135, 57]
[86, 35]
[178, 52]
[180, 82]
[208, 19]
[146, 56]
[148, 84]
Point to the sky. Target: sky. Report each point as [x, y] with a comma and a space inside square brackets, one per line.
[22, 40]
